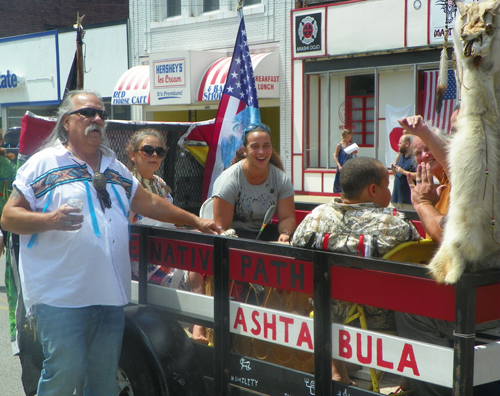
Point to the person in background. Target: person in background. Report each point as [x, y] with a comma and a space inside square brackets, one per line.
[429, 147]
[360, 218]
[401, 194]
[76, 284]
[340, 157]
[146, 150]
[7, 176]
[254, 182]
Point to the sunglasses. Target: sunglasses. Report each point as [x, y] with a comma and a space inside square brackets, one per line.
[89, 112]
[252, 127]
[149, 150]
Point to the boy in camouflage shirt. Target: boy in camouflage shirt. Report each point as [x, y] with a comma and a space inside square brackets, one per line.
[360, 223]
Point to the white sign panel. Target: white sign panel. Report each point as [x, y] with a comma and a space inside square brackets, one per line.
[175, 76]
[442, 15]
[422, 361]
[170, 81]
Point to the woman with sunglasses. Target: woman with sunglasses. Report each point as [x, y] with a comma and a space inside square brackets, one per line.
[146, 150]
[256, 180]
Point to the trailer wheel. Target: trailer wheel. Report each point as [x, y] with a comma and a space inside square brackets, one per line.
[137, 375]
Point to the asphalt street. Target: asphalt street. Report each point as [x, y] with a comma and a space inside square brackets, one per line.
[10, 368]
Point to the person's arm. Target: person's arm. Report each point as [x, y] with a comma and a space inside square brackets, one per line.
[424, 197]
[155, 207]
[405, 173]
[286, 218]
[223, 213]
[18, 217]
[416, 126]
[197, 285]
[336, 156]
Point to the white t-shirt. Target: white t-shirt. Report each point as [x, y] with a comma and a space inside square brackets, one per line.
[251, 202]
[76, 269]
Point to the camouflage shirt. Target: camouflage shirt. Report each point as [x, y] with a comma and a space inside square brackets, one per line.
[339, 227]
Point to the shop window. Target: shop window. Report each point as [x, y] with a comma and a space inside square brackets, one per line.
[210, 5]
[359, 108]
[334, 101]
[173, 8]
[251, 2]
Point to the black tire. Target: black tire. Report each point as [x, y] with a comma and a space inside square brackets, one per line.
[137, 374]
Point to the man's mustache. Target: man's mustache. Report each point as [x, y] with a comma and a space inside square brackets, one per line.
[94, 127]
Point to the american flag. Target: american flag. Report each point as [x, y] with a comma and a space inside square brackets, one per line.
[238, 108]
[441, 120]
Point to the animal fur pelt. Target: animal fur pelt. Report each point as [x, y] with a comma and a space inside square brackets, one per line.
[443, 74]
[471, 238]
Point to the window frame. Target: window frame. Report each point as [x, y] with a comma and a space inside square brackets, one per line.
[167, 14]
[205, 6]
[364, 119]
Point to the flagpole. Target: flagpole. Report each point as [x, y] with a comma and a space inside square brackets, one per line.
[79, 52]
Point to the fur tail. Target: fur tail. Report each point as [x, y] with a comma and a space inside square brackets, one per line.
[443, 75]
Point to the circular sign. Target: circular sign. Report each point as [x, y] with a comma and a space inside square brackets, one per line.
[308, 29]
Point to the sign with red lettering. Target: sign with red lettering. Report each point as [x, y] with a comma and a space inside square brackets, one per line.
[271, 270]
[401, 356]
[184, 255]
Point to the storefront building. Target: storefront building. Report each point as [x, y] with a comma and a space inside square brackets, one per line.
[34, 69]
[180, 55]
[360, 65]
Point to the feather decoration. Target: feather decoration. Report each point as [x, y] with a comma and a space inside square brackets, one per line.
[443, 74]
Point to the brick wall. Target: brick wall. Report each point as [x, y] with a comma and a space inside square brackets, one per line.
[19, 17]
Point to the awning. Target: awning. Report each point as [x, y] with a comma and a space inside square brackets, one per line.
[132, 87]
[266, 72]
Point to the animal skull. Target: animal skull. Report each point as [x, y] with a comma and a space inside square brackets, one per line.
[478, 30]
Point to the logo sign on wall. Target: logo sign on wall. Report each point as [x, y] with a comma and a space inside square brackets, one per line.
[443, 13]
[170, 80]
[308, 33]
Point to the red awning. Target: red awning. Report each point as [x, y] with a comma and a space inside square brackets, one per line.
[266, 72]
[132, 87]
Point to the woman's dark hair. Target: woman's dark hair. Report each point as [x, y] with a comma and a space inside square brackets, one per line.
[239, 155]
[134, 143]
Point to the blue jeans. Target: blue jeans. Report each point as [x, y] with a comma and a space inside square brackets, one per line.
[79, 344]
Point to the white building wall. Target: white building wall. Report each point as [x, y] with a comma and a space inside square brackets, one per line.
[268, 29]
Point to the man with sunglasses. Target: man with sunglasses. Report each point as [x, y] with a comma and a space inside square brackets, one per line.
[75, 284]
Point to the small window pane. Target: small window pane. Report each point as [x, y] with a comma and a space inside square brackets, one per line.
[357, 115]
[357, 103]
[370, 139]
[210, 5]
[357, 138]
[361, 85]
[357, 127]
[370, 114]
[173, 8]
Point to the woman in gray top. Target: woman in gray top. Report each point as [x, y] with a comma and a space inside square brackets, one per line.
[244, 192]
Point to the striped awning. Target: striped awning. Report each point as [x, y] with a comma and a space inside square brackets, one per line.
[266, 73]
[132, 87]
